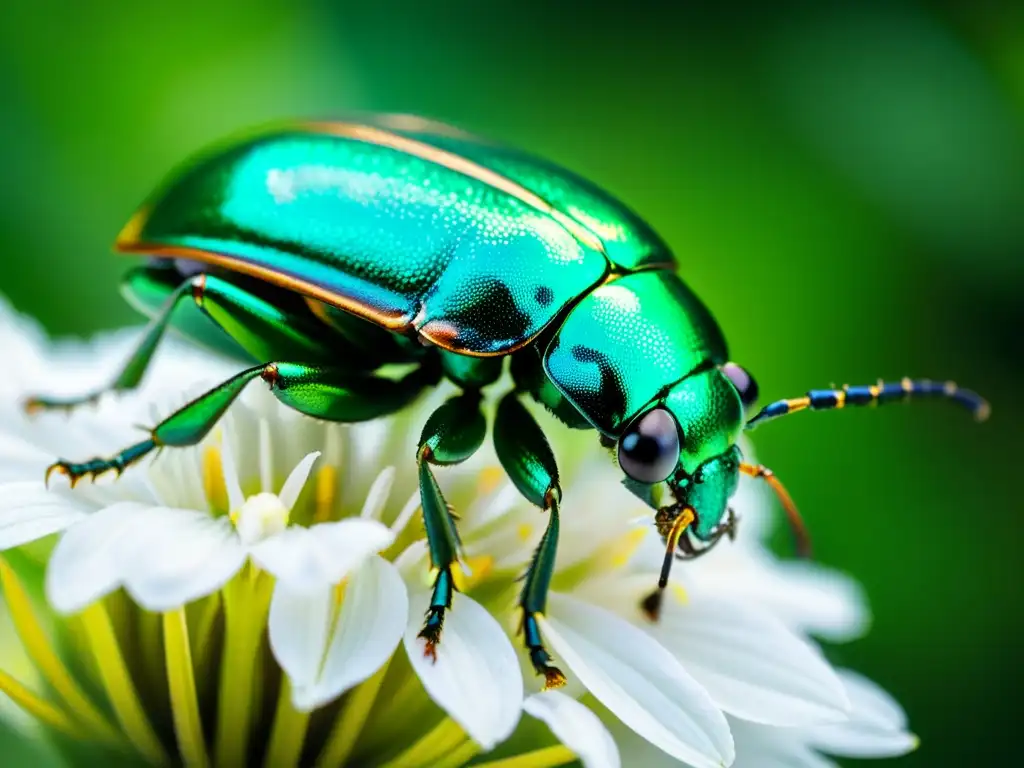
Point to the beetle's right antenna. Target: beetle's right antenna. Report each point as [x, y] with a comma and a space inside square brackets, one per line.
[796, 522]
[875, 394]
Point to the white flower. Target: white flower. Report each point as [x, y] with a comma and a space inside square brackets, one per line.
[282, 537]
[876, 727]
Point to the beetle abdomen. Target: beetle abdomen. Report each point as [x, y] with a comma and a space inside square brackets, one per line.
[391, 229]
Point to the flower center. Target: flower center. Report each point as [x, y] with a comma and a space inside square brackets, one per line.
[261, 516]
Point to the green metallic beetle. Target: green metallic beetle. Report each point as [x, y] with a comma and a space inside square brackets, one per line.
[327, 251]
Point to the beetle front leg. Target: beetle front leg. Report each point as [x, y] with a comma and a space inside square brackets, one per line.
[527, 458]
[451, 435]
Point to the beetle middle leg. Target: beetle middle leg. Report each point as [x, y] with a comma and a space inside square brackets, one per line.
[527, 458]
[328, 393]
[453, 433]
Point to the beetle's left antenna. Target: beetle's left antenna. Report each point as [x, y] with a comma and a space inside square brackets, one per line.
[652, 604]
[875, 394]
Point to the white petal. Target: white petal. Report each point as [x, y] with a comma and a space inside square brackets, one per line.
[236, 498]
[378, 494]
[179, 555]
[753, 666]
[876, 728]
[370, 625]
[297, 480]
[414, 564]
[322, 555]
[84, 565]
[299, 624]
[806, 596]
[20, 458]
[764, 746]
[411, 507]
[266, 458]
[639, 681]
[576, 727]
[29, 512]
[476, 677]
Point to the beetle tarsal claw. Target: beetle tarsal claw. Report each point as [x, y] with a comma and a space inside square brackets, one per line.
[553, 678]
[36, 405]
[33, 406]
[651, 605]
[431, 632]
[431, 636]
[60, 468]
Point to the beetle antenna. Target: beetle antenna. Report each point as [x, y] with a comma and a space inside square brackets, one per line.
[796, 523]
[652, 604]
[875, 394]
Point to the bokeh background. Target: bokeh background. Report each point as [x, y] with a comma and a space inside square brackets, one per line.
[843, 183]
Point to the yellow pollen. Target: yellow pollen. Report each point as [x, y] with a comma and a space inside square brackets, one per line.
[213, 479]
[339, 593]
[488, 480]
[326, 493]
[546, 757]
[626, 548]
[479, 567]
[679, 592]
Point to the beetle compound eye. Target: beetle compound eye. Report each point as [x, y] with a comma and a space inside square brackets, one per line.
[649, 449]
[743, 382]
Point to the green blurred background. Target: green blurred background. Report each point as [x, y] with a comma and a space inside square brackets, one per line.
[843, 183]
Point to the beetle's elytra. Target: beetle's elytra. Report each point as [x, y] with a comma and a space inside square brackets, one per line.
[329, 250]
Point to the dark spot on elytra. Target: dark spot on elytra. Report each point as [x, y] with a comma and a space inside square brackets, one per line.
[489, 319]
[544, 295]
[610, 399]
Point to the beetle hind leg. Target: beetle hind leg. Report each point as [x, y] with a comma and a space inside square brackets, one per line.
[451, 435]
[134, 369]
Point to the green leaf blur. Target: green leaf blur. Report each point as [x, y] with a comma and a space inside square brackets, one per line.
[843, 183]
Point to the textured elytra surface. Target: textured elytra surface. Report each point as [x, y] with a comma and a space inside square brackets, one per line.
[629, 241]
[475, 267]
[627, 341]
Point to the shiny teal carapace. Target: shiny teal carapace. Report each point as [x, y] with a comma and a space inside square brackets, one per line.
[324, 253]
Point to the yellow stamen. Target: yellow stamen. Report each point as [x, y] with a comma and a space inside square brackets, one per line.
[182, 685]
[439, 742]
[149, 628]
[488, 480]
[41, 710]
[459, 756]
[213, 479]
[349, 725]
[473, 571]
[626, 547]
[40, 650]
[289, 731]
[326, 493]
[541, 758]
[202, 636]
[118, 685]
[245, 610]
[524, 531]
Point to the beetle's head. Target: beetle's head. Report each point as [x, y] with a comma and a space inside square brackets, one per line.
[687, 438]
